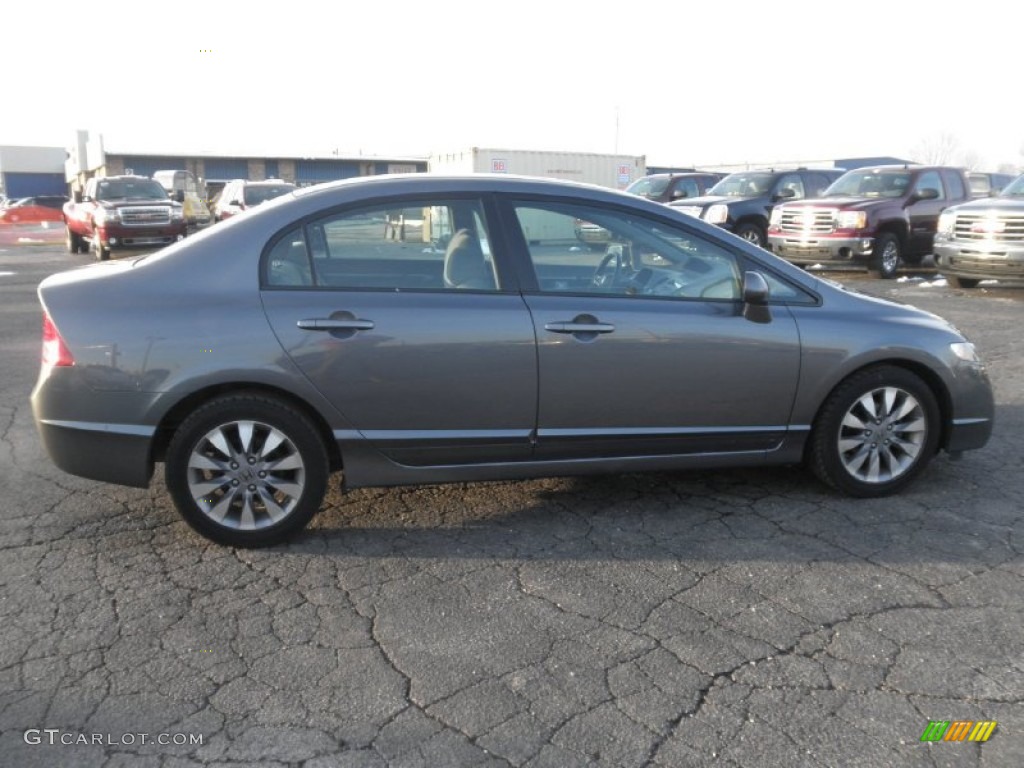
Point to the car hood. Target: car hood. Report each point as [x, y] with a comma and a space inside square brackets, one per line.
[710, 200]
[845, 202]
[1010, 204]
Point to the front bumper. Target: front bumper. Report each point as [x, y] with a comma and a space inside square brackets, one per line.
[981, 260]
[820, 249]
[116, 237]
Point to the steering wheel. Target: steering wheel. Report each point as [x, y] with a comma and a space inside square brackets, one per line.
[603, 276]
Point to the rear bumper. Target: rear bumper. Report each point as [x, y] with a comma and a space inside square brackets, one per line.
[112, 453]
[801, 249]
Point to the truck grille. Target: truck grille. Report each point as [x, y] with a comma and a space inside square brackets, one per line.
[811, 221]
[146, 216]
[1001, 227]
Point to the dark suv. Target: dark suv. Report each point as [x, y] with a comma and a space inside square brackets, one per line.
[666, 187]
[878, 217]
[240, 195]
[742, 202]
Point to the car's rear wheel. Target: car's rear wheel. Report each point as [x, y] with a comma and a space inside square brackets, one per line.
[961, 282]
[876, 432]
[247, 470]
[887, 255]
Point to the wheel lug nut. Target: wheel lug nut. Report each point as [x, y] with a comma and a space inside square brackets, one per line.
[234, 482]
[252, 460]
[234, 465]
[262, 473]
[252, 487]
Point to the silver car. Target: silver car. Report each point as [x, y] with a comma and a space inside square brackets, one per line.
[480, 341]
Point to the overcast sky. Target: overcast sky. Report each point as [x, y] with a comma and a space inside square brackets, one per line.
[679, 81]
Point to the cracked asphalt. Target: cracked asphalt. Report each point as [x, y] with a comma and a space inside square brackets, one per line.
[744, 618]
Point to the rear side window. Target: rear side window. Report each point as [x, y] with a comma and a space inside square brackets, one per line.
[427, 245]
[955, 184]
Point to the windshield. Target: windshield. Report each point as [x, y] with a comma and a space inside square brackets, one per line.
[1014, 189]
[871, 184]
[142, 189]
[648, 186]
[743, 185]
[255, 195]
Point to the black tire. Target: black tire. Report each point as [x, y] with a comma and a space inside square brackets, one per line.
[280, 442]
[962, 282]
[887, 256]
[73, 242]
[102, 252]
[898, 445]
[752, 233]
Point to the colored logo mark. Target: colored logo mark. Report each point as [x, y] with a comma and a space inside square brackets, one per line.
[958, 730]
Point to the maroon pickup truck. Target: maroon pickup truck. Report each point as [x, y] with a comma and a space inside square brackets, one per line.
[122, 212]
[878, 217]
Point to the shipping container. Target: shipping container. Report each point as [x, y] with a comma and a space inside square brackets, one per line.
[614, 171]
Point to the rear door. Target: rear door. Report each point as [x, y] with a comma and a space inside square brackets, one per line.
[643, 348]
[416, 334]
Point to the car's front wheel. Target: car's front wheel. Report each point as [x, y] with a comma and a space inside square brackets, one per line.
[753, 233]
[962, 282]
[887, 256]
[247, 470]
[876, 432]
[102, 251]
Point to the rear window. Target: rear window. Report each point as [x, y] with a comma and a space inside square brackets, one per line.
[254, 195]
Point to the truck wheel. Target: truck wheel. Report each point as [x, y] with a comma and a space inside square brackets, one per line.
[72, 241]
[961, 282]
[875, 433]
[752, 233]
[886, 258]
[102, 254]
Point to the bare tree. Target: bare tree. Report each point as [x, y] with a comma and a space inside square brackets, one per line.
[937, 150]
[971, 160]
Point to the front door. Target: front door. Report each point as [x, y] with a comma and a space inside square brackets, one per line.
[643, 348]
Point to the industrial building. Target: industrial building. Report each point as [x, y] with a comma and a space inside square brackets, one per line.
[31, 171]
[90, 156]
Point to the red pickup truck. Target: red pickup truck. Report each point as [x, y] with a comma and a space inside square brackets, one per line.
[122, 212]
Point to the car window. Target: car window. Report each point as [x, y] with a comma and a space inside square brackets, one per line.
[686, 187]
[794, 182]
[955, 184]
[930, 180]
[426, 245]
[817, 183]
[593, 250]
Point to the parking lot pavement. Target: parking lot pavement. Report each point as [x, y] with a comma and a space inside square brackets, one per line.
[744, 618]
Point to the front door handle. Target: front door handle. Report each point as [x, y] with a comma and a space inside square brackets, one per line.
[335, 324]
[572, 326]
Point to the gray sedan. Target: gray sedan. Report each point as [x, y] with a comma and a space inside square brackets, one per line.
[479, 340]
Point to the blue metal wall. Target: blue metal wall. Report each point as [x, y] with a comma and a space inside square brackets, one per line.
[32, 184]
[226, 168]
[315, 171]
[272, 172]
[147, 166]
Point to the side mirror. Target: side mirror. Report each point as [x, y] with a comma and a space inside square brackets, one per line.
[77, 195]
[786, 193]
[178, 196]
[755, 298]
[926, 194]
[678, 194]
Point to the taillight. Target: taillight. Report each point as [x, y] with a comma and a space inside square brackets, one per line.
[55, 352]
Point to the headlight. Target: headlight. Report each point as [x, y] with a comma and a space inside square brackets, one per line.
[947, 221]
[104, 215]
[851, 219]
[965, 351]
[776, 216]
[177, 214]
[717, 214]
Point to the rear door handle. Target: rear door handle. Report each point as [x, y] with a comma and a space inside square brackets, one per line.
[335, 324]
[574, 327]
